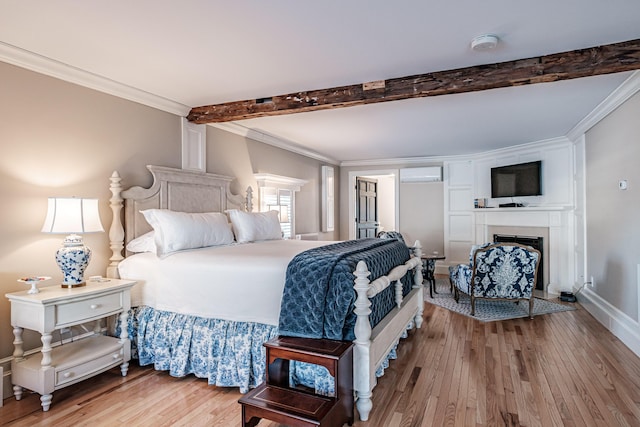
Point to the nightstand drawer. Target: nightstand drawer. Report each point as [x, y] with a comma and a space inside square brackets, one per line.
[77, 373]
[78, 311]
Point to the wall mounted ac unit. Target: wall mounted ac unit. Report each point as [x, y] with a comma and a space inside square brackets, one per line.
[425, 174]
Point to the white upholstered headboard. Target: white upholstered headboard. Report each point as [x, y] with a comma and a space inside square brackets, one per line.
[175, 189]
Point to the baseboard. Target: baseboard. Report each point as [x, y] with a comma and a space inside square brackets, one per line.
[6, 389]
[442, 269]
[618, 323]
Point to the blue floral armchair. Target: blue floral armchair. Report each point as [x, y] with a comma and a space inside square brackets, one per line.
[504, 271]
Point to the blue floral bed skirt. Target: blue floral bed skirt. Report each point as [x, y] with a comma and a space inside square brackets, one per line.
[226, 353]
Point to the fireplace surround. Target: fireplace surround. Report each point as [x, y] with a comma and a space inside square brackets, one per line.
[553, 224]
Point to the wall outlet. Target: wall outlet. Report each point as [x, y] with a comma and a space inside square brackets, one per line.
[591, 283]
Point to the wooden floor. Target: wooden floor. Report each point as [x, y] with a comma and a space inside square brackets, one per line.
[561, 369]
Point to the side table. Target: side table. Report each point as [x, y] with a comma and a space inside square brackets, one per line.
[429, 270]
[54, 308]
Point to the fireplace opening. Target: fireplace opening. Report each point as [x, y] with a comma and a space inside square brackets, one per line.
[534, 242]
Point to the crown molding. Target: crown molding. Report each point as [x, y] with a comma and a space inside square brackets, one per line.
[518, 148]
[272, 140]
[396, 161]
[459, 157]
[626, 90]
[43, 65]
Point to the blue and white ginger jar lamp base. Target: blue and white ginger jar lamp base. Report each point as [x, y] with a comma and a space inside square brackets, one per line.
[73, 258]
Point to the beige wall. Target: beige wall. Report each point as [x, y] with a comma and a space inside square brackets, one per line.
[612, 152]
[59, 139]
[422, 215]
[237, 156]
[421, 209]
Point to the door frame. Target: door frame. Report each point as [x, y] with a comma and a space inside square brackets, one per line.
[352, 195]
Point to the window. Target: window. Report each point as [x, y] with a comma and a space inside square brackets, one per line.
[278, 193]
[328, 199]
[278, 199]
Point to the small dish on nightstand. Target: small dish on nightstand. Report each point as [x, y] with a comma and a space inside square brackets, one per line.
[33, 281]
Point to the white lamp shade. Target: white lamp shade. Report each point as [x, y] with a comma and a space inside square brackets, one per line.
[72, 215]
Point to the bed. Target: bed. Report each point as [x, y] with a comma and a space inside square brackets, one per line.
[189, 319]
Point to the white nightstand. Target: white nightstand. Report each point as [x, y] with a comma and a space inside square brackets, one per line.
[55, 308]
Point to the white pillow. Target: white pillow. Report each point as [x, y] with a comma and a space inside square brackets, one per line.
[176, 231]
[144, 243]
[255, 226]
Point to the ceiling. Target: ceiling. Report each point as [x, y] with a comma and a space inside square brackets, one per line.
[200, 52]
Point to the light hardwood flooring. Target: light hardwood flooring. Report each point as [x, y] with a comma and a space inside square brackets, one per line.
[561, 369]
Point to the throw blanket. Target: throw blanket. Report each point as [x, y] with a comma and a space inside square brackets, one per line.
[318, 297]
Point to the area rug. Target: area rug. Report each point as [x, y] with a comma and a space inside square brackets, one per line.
[490, 311]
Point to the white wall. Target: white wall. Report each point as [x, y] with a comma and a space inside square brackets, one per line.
[386, 211]
[612, 151]
[557, 172]
[458, 210]
[467, 178]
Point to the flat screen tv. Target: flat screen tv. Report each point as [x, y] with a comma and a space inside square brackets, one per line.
[516, 180]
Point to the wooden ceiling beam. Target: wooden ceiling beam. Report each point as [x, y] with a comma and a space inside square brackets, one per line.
[606, 59]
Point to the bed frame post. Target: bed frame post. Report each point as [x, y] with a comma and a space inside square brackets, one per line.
[116, 231]
[361, 361]
[417, 282]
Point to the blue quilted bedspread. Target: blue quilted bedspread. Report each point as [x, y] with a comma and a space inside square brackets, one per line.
[318, 298]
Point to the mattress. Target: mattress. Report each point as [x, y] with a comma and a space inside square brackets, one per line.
[240, 282]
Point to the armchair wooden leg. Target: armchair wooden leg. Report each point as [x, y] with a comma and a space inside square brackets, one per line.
[473, 305]
[456, 296]
[531, 308]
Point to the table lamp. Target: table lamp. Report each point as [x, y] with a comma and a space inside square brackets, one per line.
[72, 216]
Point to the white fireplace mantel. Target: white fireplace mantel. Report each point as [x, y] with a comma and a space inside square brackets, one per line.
[559, 222]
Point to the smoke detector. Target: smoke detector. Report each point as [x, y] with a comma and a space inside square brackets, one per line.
[484, 42]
